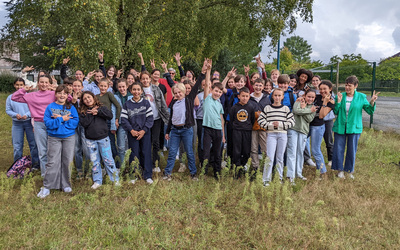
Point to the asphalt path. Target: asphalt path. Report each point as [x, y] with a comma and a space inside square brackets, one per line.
[386, 116]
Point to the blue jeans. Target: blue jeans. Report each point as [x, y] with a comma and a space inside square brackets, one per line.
[317, 133]
[80, 148]
[176, 136]
[295, 153]
[97, 148]
[41, 142]
[121, 144]
[339, 146]
[18, 129]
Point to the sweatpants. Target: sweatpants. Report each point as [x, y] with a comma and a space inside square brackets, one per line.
[140, 149]
[212, 139]
[229, 142]
[60, 154]
[241, 147]
[200, 149]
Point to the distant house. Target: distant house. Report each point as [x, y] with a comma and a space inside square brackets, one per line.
[395, 55]
[8, 59]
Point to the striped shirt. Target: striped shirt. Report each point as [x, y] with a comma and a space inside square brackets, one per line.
[280, 114]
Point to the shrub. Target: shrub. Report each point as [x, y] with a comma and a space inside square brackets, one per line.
[6, 80]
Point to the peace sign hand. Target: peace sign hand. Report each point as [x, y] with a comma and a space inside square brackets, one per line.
[374, 97]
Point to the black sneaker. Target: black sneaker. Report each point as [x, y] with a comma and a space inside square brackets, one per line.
[194, 177]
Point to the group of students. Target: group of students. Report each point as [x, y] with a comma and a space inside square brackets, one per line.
[98, 119]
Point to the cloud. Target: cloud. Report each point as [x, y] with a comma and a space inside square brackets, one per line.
[344, 27]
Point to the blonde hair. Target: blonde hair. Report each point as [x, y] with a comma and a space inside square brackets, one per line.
[275, 70]
[179, 86]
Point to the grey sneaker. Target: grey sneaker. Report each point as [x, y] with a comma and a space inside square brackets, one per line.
[194, 177]
[351, 176]
[330, 163]
[156, 170]
[223, 164]
[67, 190]
[149, 181]
[182, 168]
[266, 184]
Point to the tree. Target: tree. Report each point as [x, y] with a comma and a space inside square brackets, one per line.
[300, 49]
[389, 69]
[53, 29]
[353, 65]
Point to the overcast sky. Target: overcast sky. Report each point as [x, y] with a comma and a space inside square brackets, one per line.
[369, 27]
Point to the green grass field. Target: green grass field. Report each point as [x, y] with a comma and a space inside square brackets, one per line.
[230, 214]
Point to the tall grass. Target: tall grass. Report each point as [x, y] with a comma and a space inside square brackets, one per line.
[229, 213]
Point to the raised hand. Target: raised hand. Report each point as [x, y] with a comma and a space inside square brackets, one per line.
[339, 97]
[152, 64]
[246, 69]
[326, 99]
[232, 72]
[119, 73]
[66, 60]
[178, 58]
[28, 68]
[53, 80]
[164, 65]
[140, 55]
[209, 64]
[90, 74]
[204, 68]
[101, 56]
[374, 97]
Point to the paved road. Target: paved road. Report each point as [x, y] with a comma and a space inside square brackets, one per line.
[386, 116]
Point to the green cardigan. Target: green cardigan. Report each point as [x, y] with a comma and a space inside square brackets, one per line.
[353, 123]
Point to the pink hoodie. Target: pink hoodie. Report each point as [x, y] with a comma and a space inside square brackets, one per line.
[37, 101]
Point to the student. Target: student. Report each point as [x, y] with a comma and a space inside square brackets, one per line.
[305, 77]
[107, 99]
[180, 125]
[242, 116]
[276, 119]
[111, 73]
[289, 97]
[93, 86]
[80, 147]
[268, 87]
[213, 124]
[21, 123]
[137, 120]
[154, 95]
[63, 71]
[258, 134]
[37, 103]
[274, 77]
[61, 119]
[93, 117]
[293, 81]
[122, 96]
[304, 112]
[325, 103]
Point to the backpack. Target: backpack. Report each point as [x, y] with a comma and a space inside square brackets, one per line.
[19, 167]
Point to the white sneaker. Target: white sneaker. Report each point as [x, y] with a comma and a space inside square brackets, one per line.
[149, 181]
[341, 175]
[182, 168]
[303, 178]
[246, 167]
[156, 170]
[43, 192]
[165, 149]
[133, 181]
[351, 176]
[330, 163]
[260, 156]
[117, 184]
[96, 185]
[67, 190]
[177, 157]
[266, 184]
[311, 163]
[223, 164]
[292, 182]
